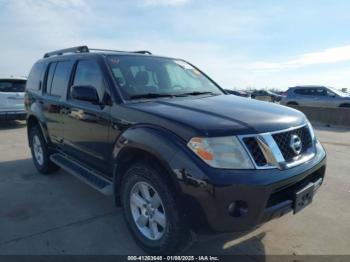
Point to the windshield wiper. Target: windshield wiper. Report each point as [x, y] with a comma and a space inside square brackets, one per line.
[196, 93]
[150, 95]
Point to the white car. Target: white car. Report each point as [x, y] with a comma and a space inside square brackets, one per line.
[12, 98]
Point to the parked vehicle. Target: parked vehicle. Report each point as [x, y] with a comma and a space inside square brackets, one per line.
[12, 98]
[237, 93]
[176, 152]
[317, 96]
[266, 95]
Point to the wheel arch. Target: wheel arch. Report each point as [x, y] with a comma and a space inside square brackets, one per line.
[144, 144]
[32, 120]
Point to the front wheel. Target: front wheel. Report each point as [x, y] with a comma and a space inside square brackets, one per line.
[151, 211]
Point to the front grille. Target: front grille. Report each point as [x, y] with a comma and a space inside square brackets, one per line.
[282, 139]
[283, 142]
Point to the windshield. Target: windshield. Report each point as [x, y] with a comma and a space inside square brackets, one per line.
[12, 85]
[338, 92]
[151, 77]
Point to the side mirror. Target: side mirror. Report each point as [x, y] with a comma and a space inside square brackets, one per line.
[84, 93]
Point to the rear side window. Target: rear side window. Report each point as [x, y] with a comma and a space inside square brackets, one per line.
[303, 92]
[49, 77]
[34, 77]
[311, 92]
[88, 73]
[12, 85]
[60, 78]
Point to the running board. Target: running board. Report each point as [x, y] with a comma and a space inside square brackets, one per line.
[89, 176]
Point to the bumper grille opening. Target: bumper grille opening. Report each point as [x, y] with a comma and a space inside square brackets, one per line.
[287, 192]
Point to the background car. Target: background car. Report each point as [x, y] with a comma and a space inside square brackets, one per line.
[317, 96]
[12, 98]
[238, 93]
[266, 95]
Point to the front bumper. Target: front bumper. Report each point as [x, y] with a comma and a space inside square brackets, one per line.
[13, 115]
[248, 198]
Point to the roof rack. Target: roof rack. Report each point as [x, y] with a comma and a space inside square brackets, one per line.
[118, 51]
[77, 49]
[85, 49]
[145, 52]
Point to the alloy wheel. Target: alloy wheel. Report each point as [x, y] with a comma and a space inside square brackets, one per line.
[147, 210]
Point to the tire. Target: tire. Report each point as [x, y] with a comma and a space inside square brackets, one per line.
[40, 152]
[345, 105]
[292, 104]
[174, 235]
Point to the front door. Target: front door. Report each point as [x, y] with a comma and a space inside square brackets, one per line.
[86, 124]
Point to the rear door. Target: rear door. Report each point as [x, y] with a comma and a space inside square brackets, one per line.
[12, 95]
[304, 96]
[56, 84]
[86, 125]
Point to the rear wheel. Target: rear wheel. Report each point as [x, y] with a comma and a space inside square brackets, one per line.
[151, 211]
[292, 104]
[40, 152]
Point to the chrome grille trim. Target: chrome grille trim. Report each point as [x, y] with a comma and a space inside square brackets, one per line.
[272, 153]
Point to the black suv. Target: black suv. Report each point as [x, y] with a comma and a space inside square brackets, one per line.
[176, 152]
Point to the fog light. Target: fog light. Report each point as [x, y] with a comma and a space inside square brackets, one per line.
[238, 208]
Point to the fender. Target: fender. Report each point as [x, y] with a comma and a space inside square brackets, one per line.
[167, 147]
[156, 141]
[174, 155]
[35, 111]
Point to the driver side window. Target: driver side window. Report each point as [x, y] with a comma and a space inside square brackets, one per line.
[330, 93]
[320, 92]
[88, 73]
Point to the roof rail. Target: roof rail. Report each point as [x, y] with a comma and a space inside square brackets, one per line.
[118, 51]
[143, 52]
[85, 49]
[77, 49]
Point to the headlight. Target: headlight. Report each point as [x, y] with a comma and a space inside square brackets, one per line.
[221, 152]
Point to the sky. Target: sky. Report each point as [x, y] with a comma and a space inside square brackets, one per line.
[240, 44]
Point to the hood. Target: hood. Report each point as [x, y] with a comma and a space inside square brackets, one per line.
[219, 115]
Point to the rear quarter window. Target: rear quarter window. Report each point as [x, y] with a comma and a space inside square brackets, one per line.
[34, 78]
[49, 77]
